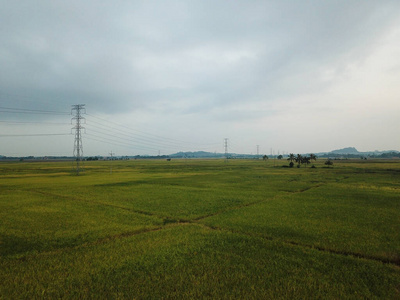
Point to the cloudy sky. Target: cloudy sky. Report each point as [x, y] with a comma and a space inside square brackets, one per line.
[158, 77]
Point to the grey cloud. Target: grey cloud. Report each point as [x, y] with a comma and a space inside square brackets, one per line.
[113, 50]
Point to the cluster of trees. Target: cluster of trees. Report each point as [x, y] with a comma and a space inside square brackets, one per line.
[300, 159]
[306, 160]
[391, 154]
[329, 162]
[92, 158]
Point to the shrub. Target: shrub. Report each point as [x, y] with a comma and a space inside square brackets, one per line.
[329, 162]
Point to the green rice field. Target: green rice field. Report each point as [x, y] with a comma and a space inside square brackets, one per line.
[209, 229]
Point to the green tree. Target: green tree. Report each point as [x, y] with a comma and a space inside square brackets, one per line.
[291, 157]
[329, 162]
[299, 160]
[306, 160]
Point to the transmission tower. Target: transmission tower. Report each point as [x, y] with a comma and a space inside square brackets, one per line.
[226, 148]
[78, 109]
[111, 153]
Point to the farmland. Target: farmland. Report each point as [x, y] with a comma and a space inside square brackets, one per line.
[200, 229]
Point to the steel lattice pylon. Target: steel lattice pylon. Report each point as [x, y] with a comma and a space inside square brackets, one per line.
[79, 109]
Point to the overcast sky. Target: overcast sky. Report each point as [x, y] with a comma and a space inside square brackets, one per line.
[165, 76]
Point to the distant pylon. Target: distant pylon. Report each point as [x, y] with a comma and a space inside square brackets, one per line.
[111, 153]
[79, 109]
[226, 147]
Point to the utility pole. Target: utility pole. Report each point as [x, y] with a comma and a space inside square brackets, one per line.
[226, 148]
[258, 151]
[79, 109]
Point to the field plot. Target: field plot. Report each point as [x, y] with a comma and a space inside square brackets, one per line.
[200, 229]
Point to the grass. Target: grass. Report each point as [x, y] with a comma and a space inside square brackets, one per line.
[200, 229]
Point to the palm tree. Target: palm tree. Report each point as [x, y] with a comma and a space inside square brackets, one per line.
[299, 160]
[291, 157]
[306, 160]
[314, 158]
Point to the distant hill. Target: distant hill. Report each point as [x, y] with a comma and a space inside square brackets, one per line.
[203, 154]
[197, 154]
[351, 152]
[348, 150]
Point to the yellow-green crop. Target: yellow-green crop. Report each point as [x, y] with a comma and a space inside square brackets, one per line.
[200, 229]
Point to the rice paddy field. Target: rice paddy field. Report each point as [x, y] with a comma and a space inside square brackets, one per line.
[209, 229]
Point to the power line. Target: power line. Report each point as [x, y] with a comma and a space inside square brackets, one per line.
[116, 143]
[33, 123]
[29, 98]
[140, 135]
[137, 131]
[38, 134]
[126, 137]
[106, 131]
[30, 111]
[130, 138]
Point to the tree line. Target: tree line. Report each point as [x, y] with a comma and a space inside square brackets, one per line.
[301, 160]
[306, 160]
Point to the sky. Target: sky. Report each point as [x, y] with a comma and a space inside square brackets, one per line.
[158, 77]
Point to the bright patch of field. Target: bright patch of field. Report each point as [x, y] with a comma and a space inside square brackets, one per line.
[200, 229]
